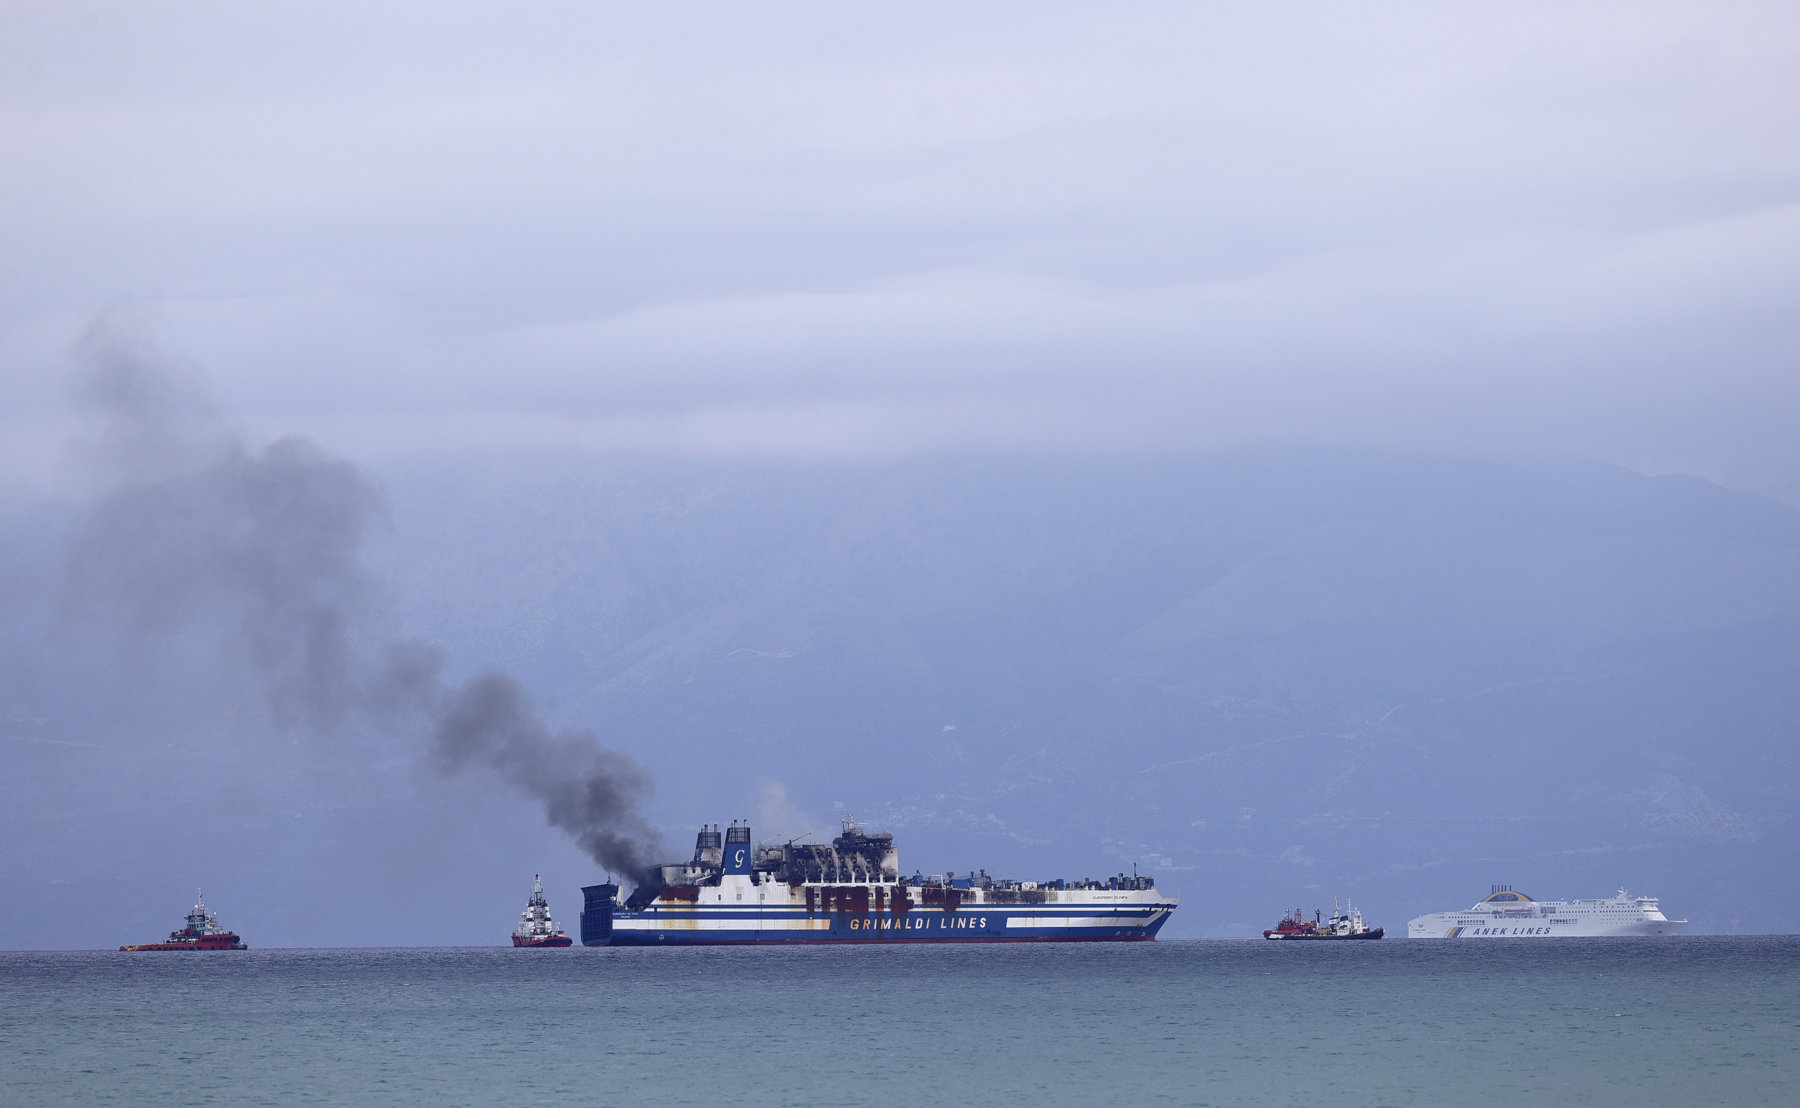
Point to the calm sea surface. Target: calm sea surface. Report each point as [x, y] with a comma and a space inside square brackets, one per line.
[1685, 1021]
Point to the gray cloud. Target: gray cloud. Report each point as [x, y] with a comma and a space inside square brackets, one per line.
[794, 230]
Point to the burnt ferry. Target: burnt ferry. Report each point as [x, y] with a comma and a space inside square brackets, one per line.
[852, 891]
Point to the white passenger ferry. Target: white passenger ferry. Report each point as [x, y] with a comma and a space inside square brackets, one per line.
[1506, 914]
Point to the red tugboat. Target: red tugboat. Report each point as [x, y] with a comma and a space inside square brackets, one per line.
[536, 928]
[1347, 924]
[201, 933]
[1294, 926]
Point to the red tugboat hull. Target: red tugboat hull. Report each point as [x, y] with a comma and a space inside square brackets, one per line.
[555, 940]
[205, 944]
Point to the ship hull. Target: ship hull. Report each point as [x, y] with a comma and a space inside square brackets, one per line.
[554, 940]
[730, 924]
[135, 947]
[758, 939]
[1375, 934]
[1457, 925]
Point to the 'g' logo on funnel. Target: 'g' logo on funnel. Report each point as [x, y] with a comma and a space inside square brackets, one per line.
[737, 848]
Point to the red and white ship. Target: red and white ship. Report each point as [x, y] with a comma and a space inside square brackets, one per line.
[1347, 924]
[536, 928]
[201, 933]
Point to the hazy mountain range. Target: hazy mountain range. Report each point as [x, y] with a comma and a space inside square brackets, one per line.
[1399, 677]
[1267, 677]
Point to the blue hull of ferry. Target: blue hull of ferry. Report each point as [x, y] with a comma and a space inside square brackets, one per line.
[976, 924]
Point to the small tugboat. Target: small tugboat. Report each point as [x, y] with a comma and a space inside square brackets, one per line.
[536, 928]
[201, 933]
[1347, 924]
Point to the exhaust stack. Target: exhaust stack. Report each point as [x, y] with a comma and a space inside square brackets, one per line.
[737, 848]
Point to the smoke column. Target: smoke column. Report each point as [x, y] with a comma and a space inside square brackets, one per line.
[192, 524]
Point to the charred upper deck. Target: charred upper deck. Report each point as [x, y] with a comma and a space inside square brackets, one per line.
[854, 857]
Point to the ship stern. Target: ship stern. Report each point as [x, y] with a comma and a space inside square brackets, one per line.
[597, 913]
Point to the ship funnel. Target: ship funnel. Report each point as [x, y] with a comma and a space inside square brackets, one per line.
[737, 848]
[708, 849]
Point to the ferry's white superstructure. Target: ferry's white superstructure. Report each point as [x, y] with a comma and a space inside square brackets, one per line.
[1506, 914]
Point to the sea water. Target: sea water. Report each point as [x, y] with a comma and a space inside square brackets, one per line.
[1683, 1021]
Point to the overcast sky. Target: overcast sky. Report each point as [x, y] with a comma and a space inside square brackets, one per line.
[832, 230]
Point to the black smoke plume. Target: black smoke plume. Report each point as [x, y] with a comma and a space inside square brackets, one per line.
[191, 525]
[588, 791]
